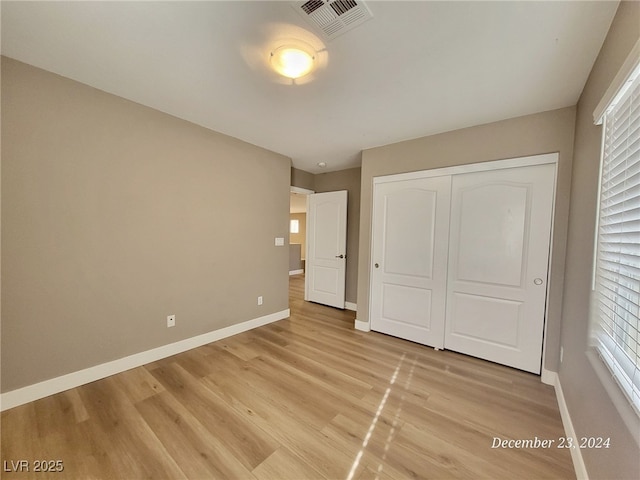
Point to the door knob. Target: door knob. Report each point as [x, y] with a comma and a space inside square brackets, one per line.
[537, 281]
[340, 256]
[376, 265]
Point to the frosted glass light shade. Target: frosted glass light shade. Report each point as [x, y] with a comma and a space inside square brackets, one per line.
[292, 62]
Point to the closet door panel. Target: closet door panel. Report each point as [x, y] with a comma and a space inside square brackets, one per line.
[498, 262]
[408, 281]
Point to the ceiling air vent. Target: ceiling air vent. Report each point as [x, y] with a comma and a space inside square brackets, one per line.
[333, 17]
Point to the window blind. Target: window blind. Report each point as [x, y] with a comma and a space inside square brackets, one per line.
[617, 275]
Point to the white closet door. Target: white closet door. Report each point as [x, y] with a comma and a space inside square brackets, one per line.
[498, 263]
[409, 267]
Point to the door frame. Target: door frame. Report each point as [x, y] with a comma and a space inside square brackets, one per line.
[542, 159]
[307, 192]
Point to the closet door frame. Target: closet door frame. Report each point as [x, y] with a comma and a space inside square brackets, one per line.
[543, 159]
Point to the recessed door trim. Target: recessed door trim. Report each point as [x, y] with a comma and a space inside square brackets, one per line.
[471, 167]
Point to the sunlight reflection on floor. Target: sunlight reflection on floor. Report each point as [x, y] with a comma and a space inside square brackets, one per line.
[374, 422]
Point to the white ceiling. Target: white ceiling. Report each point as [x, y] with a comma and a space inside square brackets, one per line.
[415, 69]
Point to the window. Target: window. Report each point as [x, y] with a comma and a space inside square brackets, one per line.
[616, 300]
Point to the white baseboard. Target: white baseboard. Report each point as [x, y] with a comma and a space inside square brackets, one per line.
[350, 306]
[295, 272]
[548, 377]
[43, 389]
[576, 454]
[362, 326]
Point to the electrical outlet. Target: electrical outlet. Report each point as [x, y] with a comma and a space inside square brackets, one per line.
[260, 300]
[171, 321]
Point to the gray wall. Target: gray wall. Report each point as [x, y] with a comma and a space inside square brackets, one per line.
[591, 409]
[348, 180]
[530, 135]
[295, 257]
[302, 179]
[114, 216]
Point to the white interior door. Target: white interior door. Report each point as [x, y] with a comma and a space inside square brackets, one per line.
[326, 248]
[411, 221]
[498, 263]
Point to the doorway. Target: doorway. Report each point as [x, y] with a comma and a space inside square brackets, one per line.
[297, 229]
[317, 244]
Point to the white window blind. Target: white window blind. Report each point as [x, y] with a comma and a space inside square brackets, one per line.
[616, 311]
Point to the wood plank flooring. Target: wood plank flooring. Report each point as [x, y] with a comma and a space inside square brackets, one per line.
[304, 398]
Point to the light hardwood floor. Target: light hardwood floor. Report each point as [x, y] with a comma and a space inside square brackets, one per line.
[304, 398]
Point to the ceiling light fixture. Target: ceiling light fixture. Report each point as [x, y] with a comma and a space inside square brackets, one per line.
[292, 62]
[322, 164]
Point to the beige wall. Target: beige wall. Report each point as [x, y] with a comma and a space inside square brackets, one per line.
[302, 179]
[591, 409]
[530, 135]
[348, 180]
[114, 216]
[299, 237]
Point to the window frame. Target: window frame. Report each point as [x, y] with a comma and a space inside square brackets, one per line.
[599, 346]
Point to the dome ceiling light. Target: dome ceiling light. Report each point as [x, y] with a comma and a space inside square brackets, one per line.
[292, 61]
